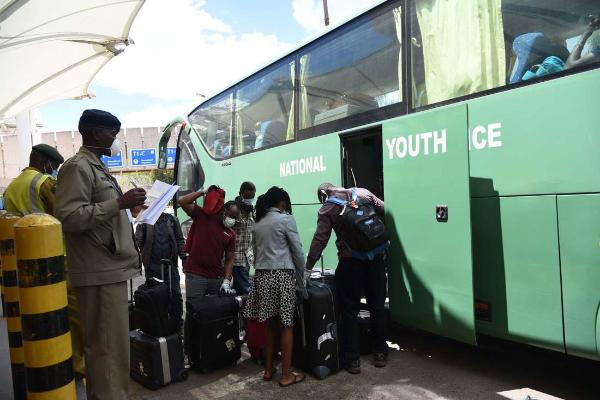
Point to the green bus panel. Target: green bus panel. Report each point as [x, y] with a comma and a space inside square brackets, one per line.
[579, 228]
[431, 277]
[516, 269]
[540, 139]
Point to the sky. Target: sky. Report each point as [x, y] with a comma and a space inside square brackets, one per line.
[187, 49]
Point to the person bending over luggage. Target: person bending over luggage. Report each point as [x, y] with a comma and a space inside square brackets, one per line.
[213, 240]
[355, 271]
[163, 240]
[272, 298]
[244, 253]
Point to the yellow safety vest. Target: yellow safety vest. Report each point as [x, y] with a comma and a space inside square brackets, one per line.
[23, 193]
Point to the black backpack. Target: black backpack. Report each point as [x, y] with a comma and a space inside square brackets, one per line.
[366, 233]
[153, 310]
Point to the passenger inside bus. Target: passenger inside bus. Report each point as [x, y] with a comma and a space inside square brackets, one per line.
[271, 133]
[591, 38]
[508, 40]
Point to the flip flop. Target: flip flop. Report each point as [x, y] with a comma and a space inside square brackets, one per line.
[297, 379]
[270, 378]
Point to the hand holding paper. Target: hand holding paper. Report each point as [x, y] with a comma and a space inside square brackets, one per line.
[157, 199]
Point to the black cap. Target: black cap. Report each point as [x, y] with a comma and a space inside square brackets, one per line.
[98, 119]
[49, 152]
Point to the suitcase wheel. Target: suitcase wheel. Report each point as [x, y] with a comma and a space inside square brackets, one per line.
[183, 375]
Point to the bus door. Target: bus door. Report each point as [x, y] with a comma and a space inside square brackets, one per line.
[362, 161]
[427, 202]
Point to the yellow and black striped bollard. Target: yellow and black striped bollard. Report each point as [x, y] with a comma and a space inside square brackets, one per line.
[44, 312]
[11, 297]
[2, 212]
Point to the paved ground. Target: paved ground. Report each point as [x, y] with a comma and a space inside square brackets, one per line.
[420, 367]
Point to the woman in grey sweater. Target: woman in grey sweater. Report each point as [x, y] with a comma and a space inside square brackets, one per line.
[279, 259]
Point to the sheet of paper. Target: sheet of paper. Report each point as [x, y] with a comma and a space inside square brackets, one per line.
[157, 199]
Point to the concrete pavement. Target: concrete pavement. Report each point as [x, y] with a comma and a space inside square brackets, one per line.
[421, 367]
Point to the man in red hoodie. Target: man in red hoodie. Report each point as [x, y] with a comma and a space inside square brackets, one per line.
[213, 240]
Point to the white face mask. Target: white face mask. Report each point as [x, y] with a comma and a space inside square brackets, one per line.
[115, 147]
[228, 222]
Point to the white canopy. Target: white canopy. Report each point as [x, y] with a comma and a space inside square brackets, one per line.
[51, 50]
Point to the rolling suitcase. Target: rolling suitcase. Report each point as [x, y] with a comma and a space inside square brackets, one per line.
[156, 362]
[152, 310]
[315, 333]
[256, 338]
[212, 332]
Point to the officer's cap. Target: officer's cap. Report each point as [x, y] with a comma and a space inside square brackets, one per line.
[98, 119]
[49, 152]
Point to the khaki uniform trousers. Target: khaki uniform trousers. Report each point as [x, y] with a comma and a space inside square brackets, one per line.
[105, 318]
[76, 331]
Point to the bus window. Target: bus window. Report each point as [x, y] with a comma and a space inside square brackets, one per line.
[356, 69]
[461, 48]
[190, 175]
[213, 122]
[264, 105]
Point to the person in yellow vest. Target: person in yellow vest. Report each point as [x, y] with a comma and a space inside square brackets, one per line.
[33, 190]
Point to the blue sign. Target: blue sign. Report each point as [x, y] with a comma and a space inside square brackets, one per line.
[113, 162]
[143, 157]
[171, 153]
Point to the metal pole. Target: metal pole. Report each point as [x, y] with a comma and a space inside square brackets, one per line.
[44, 310]
[326, 12]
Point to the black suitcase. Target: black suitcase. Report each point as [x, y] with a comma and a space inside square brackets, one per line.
[156, 362]
[212, 332]
[153, 306]
[315, 333]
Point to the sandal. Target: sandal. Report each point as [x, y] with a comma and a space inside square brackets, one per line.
[270, 378]
[297, 379]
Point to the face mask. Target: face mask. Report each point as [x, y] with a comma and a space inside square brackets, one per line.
[228, 222]
[248, 202]
[115, 147]
[53, 172]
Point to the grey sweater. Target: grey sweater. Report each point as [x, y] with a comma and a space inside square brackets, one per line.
[277, 243]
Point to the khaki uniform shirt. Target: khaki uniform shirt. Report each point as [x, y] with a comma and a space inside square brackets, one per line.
[99, 237]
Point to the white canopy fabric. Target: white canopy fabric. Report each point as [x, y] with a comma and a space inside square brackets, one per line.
[51, 50]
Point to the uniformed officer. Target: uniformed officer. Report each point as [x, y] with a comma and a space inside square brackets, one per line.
[101, 252]
[33, 190]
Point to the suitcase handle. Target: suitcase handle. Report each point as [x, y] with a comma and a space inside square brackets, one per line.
[163, 262]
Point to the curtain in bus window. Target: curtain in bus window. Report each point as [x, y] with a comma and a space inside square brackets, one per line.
[290, 127]
[463, 47]
[398, 20]
[304, 111]
[239, 134]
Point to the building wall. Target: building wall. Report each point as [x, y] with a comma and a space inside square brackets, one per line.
[69, 142]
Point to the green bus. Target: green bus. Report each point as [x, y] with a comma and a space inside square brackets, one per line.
[478, 123]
